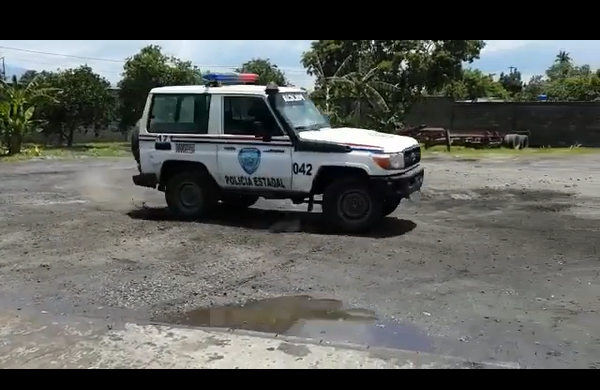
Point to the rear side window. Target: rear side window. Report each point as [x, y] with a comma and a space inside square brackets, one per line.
[179, 114]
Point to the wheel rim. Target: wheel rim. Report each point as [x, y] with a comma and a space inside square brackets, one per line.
[355, 205]
[190, 196]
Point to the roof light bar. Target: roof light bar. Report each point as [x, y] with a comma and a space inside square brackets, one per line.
[231, 78]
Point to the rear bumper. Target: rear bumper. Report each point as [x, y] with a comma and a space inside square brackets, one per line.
[148, 180]
[402, 185]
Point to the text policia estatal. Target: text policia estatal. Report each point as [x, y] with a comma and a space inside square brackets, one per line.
[247, 181]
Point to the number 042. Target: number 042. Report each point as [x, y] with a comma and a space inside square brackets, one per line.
[302, 169]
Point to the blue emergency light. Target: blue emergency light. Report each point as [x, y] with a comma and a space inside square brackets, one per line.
[231, 78]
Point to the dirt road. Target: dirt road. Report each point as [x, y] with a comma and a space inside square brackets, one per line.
[498, 260]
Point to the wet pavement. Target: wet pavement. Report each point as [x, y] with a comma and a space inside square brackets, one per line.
[33, 340]
[326, 320]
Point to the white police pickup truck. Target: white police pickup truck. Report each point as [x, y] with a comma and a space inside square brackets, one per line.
[232, 142]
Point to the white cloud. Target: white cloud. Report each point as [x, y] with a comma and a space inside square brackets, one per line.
[495, 46]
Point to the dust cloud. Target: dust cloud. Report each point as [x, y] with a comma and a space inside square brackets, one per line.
[100, 187]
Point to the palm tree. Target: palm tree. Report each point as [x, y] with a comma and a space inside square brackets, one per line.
[563, 57]
[17, 108]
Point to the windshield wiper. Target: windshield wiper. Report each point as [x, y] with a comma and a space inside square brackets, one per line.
[312, 127]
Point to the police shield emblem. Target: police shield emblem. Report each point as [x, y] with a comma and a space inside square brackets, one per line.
[249, 159]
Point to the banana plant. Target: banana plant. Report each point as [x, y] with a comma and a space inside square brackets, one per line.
[17, 109]
[365, 84]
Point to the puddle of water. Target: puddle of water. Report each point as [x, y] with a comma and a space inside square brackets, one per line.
[303, 316]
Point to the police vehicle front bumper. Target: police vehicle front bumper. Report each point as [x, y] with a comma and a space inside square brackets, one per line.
[402, 185]
[148, 180]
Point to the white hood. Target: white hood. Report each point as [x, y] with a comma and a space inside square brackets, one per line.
[361, 138]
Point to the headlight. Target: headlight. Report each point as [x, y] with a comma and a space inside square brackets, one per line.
[397, 161]
[389, 161]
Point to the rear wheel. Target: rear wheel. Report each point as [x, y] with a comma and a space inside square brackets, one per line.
[389, 206]
[189, 195]
[239, 201]
[512, 141]
[351, 206]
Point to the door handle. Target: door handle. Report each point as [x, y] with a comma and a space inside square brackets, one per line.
[228, 148]
[274, 151]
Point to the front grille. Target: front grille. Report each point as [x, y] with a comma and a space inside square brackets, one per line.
[412, 156]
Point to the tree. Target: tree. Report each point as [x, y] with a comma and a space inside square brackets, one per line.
[474, 84]
[564, 81]
[412, 67]
[561, 68]
[323, 96]
[28, 76]
[535, 87]
[17, 109]
[511, 81]
[267, 71]
[148, 69]
[84, 103]
[364, 85]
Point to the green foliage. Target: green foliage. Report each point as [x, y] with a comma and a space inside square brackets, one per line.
[267, 71]
[85, 103]
[474, 84]
[148, 69]
[564, 81]
[17, 109]
[374, 82]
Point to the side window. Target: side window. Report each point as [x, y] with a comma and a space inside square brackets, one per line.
[179, 114]
[248, 115]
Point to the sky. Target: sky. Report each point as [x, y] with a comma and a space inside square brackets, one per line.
[107, 56]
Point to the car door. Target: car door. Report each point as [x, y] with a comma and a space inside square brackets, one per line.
[253, 153]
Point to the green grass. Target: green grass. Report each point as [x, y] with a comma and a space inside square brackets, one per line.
[464, 152]
[92, 149]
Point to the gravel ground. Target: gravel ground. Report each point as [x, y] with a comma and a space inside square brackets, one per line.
[497, 260]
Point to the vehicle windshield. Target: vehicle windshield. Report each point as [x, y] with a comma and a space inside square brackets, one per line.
[301, 112]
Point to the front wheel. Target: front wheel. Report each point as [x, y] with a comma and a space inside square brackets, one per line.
[523, 141]
[389, 206]
[189, 195]
[351, 206]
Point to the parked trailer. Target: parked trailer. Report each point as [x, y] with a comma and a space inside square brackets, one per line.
[431, 136]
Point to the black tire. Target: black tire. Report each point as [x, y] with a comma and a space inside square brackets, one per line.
[239, 201]
[523, 141]
[190, 195]
[512, 141]
[135, 144]
[389, 206]
[337, 203]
